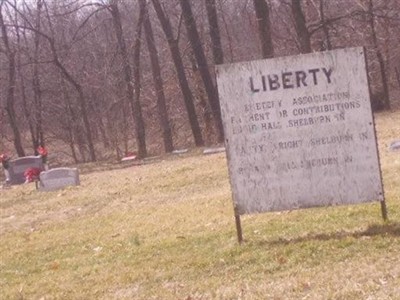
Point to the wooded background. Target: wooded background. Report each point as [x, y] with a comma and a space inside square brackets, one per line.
[96, 80]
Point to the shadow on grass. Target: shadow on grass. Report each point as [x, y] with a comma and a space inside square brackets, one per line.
[392, 229]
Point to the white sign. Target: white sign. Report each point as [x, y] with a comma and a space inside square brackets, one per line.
[299, 131]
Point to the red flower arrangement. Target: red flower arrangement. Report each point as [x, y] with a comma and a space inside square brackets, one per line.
[32, 174]
[4, 159]
[43, 153]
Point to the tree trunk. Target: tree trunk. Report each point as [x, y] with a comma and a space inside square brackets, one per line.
[397, 75]
[303, 34]
[180, 70]
[10, 98]
[82, 104]
[157, 80]
[198, 52]
[37, 91]
[135, 104]
[328, 45]
[385, 87]
[216, 44]
[264, 28]
[25, 106]
[70, 119]
[78, 89]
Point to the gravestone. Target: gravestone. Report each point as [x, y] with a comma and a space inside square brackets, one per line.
[18, 166]
[58, 178]
[395, 146]
[180, 151]
[214, 150]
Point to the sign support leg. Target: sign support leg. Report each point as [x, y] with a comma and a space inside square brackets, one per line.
[239, 228]
[384, 210]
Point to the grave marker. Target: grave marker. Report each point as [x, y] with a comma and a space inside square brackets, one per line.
[58, 178]
[18, 166]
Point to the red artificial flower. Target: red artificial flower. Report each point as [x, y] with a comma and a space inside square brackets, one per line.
[42, 151]
[4, 158]
[130, 153]
[32, 174]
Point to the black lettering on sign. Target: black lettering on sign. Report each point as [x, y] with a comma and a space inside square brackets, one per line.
[258, 148]
[363, 136]
[259, 117]
[339, 117]
[290, 79]
[259, 106]
[271, 125]
[348, 159]
[290, 144]
[333, 139]
[283, 113]
[309, 121]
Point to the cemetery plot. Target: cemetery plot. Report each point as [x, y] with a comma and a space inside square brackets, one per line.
[299, 131]
[58, 178]
[18, 166]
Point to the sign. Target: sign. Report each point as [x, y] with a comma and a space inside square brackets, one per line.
[299, 131]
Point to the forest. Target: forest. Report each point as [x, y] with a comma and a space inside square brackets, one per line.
[101, 79]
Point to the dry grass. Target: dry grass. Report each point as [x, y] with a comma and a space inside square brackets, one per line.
[166, 231]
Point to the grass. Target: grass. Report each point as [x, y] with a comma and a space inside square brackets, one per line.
[166, 230]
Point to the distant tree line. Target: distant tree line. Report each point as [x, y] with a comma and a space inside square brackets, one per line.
[102, 78]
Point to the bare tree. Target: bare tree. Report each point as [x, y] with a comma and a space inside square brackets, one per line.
[212, 17]
[135, 104]
[328, 44]
[157, 80]
[201, 60]
[301, 27]
[385, 87]
[10, 109]
[264, 28]
[180, 70]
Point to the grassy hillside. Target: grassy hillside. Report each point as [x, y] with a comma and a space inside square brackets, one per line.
[166, 230]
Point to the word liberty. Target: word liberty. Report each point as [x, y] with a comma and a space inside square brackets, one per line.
[290, 80]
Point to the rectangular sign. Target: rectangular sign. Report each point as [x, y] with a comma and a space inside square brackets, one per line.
[299, 131]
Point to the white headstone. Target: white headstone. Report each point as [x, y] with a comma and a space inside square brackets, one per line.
[58, 178]
[214, 150]
[395, 146]
[18, 166]
[299, 131]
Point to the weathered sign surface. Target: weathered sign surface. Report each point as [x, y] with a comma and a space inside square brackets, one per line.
[58, 178]
[299, 131]
[19, 165]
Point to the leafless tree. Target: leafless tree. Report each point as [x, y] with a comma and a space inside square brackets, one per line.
[134, 101]
[201, 61]
[264, 28]
[10, 102]
[301, 27]
[212, 17]
[158, 83]
[180, 70]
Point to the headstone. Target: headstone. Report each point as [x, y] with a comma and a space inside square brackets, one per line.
[214, 150]
[58, 178]
[395, 146]
[180, 151]
[299, 131]
[128, 158]
[18, 166]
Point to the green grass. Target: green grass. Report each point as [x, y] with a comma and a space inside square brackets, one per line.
[166, 231]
